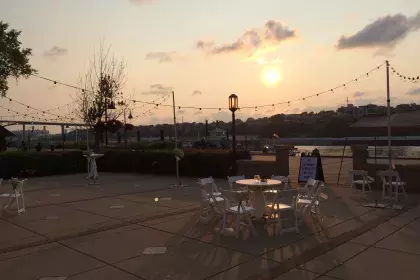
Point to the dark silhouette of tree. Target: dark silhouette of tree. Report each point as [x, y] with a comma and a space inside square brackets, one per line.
[101, 89]
[14, 60]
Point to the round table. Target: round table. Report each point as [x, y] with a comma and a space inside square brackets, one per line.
[258, 199]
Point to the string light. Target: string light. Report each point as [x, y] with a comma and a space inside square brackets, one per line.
[331, 90]
[412, 79]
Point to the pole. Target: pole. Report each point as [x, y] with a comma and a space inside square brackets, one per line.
[125, 129]
[388, 102]
[233, 134]
[341, 162]
[176, 144]
[106, 122]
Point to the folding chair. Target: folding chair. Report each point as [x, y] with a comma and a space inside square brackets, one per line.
[232, 180]
[240, 212]
[285, 204]
[14, 197]
[309, 203]
[309, 189]
[211, 206]
[210, 181]
[391, 183]
[272, 193]
[360, 177]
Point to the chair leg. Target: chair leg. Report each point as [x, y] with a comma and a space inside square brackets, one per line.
[238, 224]
[254, 232]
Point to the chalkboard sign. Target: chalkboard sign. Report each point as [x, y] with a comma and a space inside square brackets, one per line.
[310, 168]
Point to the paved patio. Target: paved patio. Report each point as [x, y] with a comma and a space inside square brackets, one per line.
[78, 231]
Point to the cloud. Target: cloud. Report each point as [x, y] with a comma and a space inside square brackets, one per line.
[158, 89]
[385, 33]
[358, 94]
[414, 91]
[252, 42]
[161, 57]
[141, 2]
[197, 92]
[56, 51]
[199, 112]
[181, 112]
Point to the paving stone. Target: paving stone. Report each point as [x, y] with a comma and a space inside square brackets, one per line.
[298, 274]
[375, 263]
[406, 239]
[123, 243]
[333, 258]
[376, 234]
[45, 261]
[12, 235]
[188, 260]
[104, 273]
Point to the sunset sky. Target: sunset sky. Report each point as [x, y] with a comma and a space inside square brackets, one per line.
[207, 49]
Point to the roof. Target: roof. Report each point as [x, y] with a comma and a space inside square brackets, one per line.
[5, 132]
[403, 119]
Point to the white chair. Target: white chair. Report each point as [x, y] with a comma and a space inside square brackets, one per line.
[270, 194]
[14, 197]
[232, 180]
[211, 206]
[210, 181]
[391, 183]
[309, 189]
[284, 204]
[284, 179]
[360, 177]
[240, 213]
[310, 203]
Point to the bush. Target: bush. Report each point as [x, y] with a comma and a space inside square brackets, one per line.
[195, 164]
[22, 164]
[198, 164]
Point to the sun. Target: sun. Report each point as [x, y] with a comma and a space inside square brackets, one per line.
[270, 76]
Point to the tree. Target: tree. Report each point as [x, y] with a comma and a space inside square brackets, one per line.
[100, 91]
[14, 60]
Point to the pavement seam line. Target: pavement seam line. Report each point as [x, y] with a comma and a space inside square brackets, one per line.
[372, 245]
[86, 232]
[321, 249]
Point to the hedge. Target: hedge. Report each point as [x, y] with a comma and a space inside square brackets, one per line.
[196, 164]
[23, 164]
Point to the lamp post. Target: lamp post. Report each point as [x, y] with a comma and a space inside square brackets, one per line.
[233, 106]
[109, 105]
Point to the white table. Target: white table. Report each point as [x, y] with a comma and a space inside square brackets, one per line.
[93, 169]
[258, 199]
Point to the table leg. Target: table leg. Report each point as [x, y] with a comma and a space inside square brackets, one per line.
[258, 202]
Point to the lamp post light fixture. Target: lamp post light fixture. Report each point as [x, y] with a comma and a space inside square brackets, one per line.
[233, 106]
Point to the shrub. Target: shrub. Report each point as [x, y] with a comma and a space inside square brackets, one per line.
[24, 164]
[195, 164]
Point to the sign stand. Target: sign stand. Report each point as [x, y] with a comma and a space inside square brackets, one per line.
[310, 168]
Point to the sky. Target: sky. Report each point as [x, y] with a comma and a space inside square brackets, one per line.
[265, 52]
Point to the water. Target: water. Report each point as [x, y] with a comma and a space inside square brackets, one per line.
[382, 152]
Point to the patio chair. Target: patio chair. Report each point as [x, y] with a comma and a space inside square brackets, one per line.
[360, 177]
[210, 181]
[211, 206]
[273, 191]
[241, 215]
[309, 189]
[232, 180]
[284, 208]
[16, 196]
[391, 183]
[310, 202]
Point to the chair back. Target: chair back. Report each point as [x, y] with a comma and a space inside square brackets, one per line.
[310, 187]
[389, 176]
[209, 181]
[283, 179]
[232, 180]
